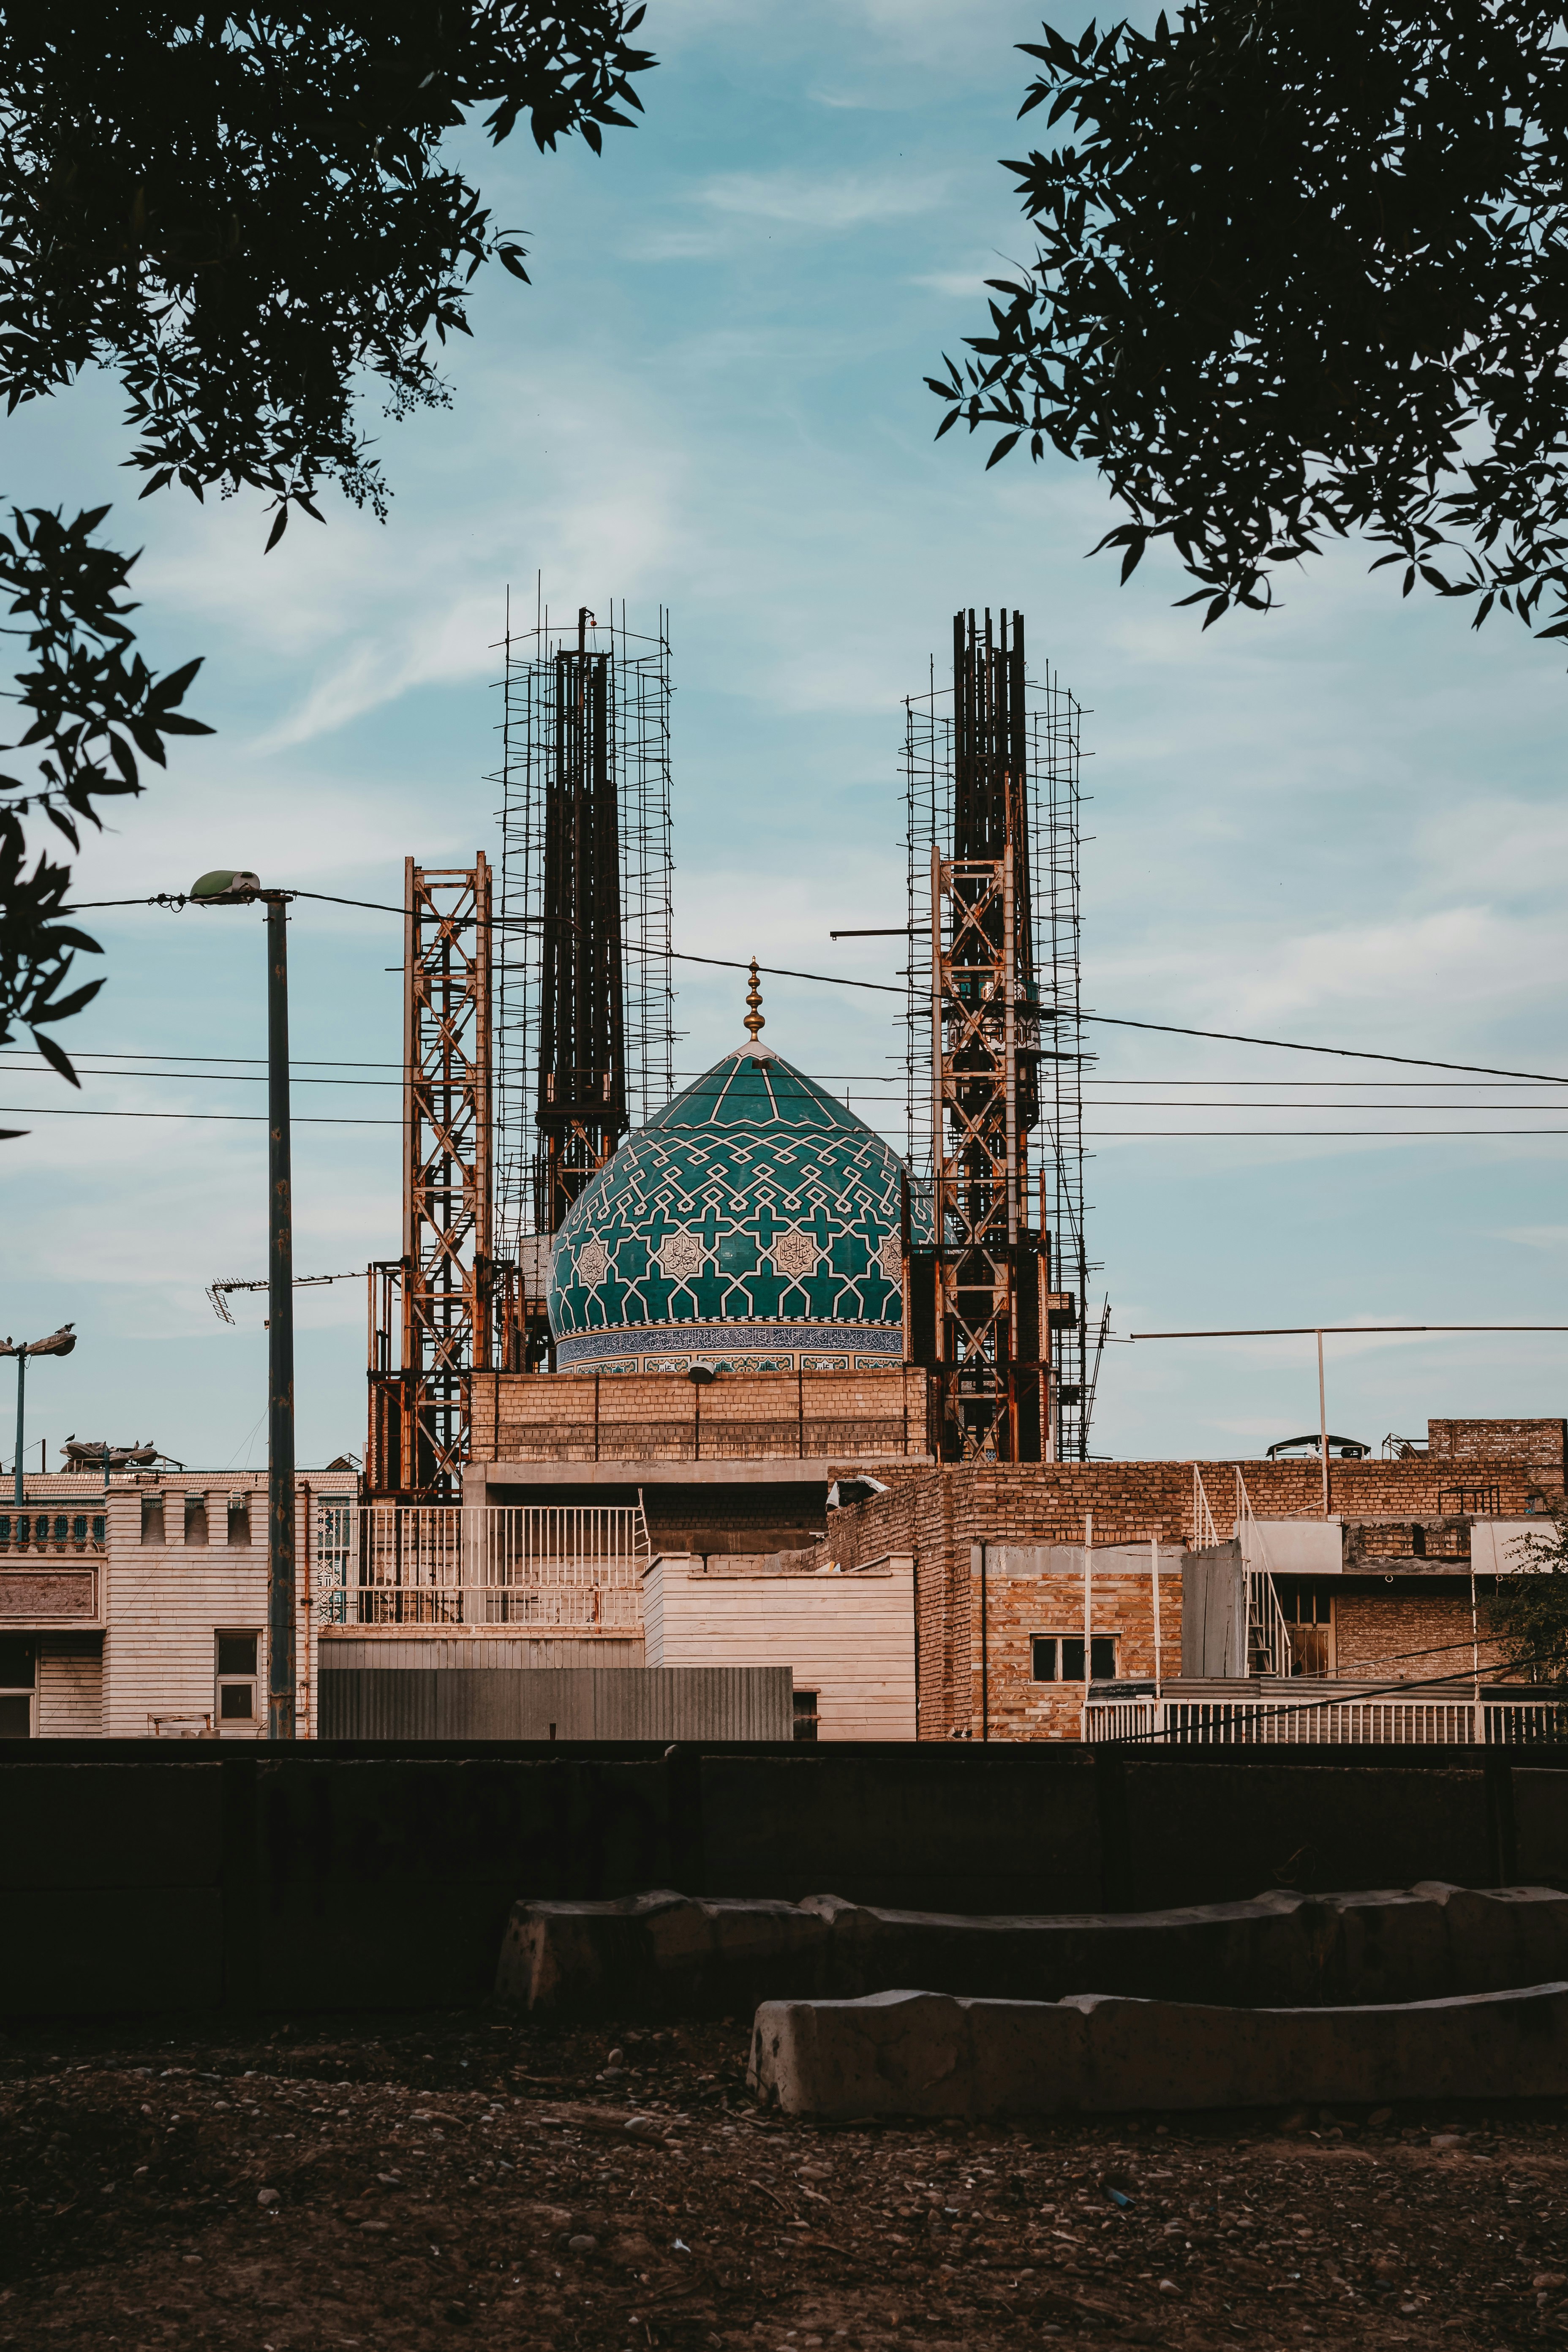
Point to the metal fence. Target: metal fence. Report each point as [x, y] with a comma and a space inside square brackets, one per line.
[1269, 1717]
[545, 1566]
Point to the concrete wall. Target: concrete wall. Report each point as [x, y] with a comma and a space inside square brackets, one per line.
[850, 1638]
[139, 1876]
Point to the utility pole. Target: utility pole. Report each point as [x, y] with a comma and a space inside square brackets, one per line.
[243, 888]
[279, 1334]
[59, 1343]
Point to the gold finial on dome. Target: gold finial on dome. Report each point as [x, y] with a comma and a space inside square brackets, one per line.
[753, 1021]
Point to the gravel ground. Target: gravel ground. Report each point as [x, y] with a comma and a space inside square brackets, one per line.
[421, 2181]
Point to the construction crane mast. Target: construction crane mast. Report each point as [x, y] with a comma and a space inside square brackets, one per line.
[433, 1310]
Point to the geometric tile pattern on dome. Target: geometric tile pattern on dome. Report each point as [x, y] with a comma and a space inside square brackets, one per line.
[754, 1199]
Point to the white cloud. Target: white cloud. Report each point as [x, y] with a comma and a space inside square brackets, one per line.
[841, 200]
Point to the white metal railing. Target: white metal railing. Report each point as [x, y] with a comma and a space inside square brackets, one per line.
[1268, 1635]
[1269, 1717]
[576, 1567]
[1205, 1535]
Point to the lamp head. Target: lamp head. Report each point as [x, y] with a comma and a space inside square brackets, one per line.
[223, 888]
[59, 1343]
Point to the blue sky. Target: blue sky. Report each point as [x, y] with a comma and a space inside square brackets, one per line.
[1342, 823]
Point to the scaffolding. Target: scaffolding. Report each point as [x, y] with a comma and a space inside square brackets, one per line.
[995, 1057]
[585, 1002]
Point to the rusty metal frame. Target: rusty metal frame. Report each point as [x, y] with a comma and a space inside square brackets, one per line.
[438, 1295]
[980, 1170]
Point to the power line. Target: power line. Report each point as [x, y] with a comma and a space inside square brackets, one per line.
[326, 1062]
[175, 900]
[225, 1077]
[240, 1117]
[1304, 1134]
[1096, 1134]
[1163, 1078]
[1347, 1053]
[1354, 1330]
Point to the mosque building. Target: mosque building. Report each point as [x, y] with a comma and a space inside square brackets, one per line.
[728, 1320]
[755, 1224]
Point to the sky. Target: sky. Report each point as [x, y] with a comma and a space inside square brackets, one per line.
[1341, 824]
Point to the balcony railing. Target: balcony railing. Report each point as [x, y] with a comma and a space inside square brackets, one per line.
[556, 1567]
[1260, 1715]
[44, 1530]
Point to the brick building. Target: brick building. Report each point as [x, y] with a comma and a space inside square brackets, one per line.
[1377, 1591]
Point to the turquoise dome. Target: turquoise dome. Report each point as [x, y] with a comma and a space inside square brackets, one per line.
[754, 1220]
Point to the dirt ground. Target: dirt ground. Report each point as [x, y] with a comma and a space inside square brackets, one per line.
[426, 2180]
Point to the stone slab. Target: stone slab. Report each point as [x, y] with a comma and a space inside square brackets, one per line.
[930, 2054]
[663, 1954]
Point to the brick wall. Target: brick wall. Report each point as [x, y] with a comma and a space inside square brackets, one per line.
[1405, 1635]
[1536, 1446]
[865, 1416]
[1016, 1592]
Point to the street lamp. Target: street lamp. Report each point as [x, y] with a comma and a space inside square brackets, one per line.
[59, 1343]
[241, 888]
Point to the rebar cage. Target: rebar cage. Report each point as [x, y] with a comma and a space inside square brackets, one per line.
[585, 1002]
[1036, 722]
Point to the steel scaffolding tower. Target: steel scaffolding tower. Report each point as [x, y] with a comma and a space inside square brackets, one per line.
[585, 1031]
[432, 1310]
[993, 830]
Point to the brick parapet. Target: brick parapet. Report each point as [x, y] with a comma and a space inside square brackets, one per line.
[861, 1417]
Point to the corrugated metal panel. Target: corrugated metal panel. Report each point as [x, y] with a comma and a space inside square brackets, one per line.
[401, 1651]
[366, 1704]
[556, 1702]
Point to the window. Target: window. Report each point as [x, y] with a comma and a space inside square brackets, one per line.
[239, 1518]
[238, 1694]
[1059, 1657]
[151, 1518]
[806, 1714]
[18, 1674]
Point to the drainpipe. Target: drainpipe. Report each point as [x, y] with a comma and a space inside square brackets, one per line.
[1322, 1426]
[985, 1652]
[1087, 1637]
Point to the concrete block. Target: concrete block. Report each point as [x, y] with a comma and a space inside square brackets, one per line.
[929, 2054]
[664, 1955]
[659, 1954]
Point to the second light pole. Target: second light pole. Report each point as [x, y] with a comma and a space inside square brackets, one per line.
[244, 889]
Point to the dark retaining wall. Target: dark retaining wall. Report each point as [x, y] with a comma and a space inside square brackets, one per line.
[137, 1877]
